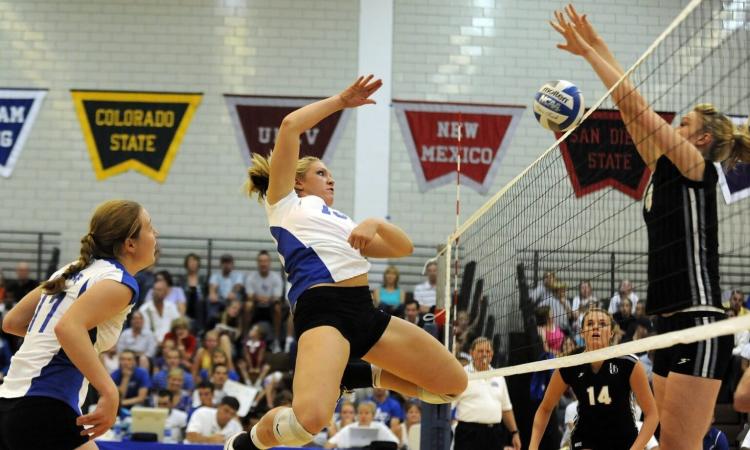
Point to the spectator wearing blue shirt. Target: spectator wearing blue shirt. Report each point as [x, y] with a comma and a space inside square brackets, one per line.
[715, 439]
[132, 382]
[388, 410]
[172, 360]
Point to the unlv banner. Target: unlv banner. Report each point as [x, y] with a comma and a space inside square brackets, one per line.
[18, 111]
[735, 184]
[436, 134]
[600, 153]
[257, 119]
[139, 131]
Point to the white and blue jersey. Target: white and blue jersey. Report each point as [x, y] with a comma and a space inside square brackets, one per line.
[312, 241]
[41, 367]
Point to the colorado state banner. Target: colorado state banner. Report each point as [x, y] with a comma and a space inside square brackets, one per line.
[139, 131]
[18, 111]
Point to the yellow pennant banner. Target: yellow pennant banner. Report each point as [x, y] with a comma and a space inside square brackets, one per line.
[139, 131]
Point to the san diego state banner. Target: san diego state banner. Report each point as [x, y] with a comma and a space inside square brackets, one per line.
[735, 184]
[257, 119]
[139, 131]
[601, 153]
[18, 111]
[436, 134]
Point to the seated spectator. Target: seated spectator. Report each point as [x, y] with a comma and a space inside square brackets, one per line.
[204, 391]
[202, 359]
[425, 293]
[181, 398]
[543, 291]
[625, 291]
[224, 386]
[175, 294]
[139, 340]
[158, 314]
[584, 301]
[389, 296]
[413, 417]
[550, 333]
[559, 306]
[230, 324]
[347, 415]
[194, 286]
[737, 303]
[254, 357]
[365, 415]
[223, 286]
[387, 409]
[133, 382]
[264, 289]
[184, 340]
[219, 357]
[176, 420]
[214, 425]
[173, 361]
[411, 313]
[23, 284]
[625, 320]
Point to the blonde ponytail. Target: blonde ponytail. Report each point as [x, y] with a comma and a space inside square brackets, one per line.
[259, 174]
[731, 144]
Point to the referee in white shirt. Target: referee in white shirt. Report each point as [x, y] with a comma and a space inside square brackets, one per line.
[483, 406]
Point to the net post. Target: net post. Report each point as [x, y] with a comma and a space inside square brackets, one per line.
[443, 290]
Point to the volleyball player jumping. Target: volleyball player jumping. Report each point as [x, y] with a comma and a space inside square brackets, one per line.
[66, 323]
[323, 252]
[603, 388]
[682, 224]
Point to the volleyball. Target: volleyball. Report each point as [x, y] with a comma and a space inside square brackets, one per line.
[558, 105]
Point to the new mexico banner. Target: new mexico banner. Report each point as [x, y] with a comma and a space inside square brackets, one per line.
[256, 122]
[436, 134]
[18, 111]
[139, 131]
[601, 153]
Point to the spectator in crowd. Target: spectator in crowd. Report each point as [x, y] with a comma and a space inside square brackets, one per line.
[389, 296]
[176, 420]
[413, 417]
[387, 409]
[230, 325]
[264, 289]
[411, 313]
[205, 394]
[254, 356]
[22, 285]
[138, 339]
[183, 339]
[737, 303]
[584, 301]
[640, 314]
[219, 357]
[175, 294]
[365, 415]
[550, 333]
[157, 313]
[625, 291]
[625, 320]
[222, 384]
[132, 382]
[484, 406]
[559, 305]
[347, 415]
[424, 293]
[181, 398]
[202, 360]
[224, 285]
[145, 279]
[544, 291]
[194, 286]
[209, 425]
[173, 361]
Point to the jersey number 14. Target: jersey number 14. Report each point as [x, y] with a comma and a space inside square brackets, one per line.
[603, 398]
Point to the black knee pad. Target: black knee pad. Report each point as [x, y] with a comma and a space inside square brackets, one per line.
[357, 374]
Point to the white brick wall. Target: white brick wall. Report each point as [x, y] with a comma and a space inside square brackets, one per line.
[487, 51]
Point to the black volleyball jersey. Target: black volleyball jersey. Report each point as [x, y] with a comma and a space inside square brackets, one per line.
[683, 244]
[604, 399]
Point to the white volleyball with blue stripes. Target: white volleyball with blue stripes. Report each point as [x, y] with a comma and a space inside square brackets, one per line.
[558, 105]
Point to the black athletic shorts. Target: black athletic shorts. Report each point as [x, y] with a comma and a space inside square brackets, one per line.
[705, 359]
[39, 423]
[348, 309]
[583, 443]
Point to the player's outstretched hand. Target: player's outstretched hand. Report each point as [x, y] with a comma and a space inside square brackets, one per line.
[574, 42]
[359, 92]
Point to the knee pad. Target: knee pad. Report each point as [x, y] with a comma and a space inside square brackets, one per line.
[359, 374]
[435, 399]
[288, 430]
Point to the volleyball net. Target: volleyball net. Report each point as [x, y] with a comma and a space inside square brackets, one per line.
[569, 233]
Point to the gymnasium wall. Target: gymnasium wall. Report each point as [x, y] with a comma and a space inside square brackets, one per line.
[483, 51]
